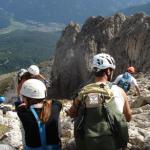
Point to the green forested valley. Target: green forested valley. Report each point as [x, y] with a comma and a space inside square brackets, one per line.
[22, 48]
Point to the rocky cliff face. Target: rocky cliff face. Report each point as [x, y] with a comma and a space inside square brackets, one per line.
[125, 38]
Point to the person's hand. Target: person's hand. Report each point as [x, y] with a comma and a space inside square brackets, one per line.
[23, 105]
[72, 112]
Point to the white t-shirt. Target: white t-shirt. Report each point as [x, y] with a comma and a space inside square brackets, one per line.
[119, 99]
[133, 81]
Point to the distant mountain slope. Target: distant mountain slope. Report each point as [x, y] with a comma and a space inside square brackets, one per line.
[9, 23]
[21, 48]
[64, 10]
[24, 43]
[4, 19]
[140, 8]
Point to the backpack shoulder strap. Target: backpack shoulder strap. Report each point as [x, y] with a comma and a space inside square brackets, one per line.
[41, 127]
[110, 84]
[126, 75]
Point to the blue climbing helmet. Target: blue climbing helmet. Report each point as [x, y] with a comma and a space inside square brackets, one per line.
[2, 99]
[125, 82]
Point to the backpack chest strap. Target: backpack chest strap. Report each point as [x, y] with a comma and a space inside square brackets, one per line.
[41, 127]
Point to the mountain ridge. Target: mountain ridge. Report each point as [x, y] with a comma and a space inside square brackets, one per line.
[67, 10]
[145, 8]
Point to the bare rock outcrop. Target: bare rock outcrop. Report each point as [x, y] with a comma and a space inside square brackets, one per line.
[76, 47]
[125, 38]
[13, 137]
[131, 46]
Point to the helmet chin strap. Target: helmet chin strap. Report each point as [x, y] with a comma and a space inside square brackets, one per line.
[45, 94]
[109, 74]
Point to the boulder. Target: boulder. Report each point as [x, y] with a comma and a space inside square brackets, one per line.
[141, 101]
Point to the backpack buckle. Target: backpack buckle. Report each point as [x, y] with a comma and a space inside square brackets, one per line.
[102, 85]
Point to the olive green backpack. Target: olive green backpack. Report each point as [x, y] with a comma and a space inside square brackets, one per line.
[99, 108]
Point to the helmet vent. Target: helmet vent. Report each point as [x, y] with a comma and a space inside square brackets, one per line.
[100, 62]
[109, 61]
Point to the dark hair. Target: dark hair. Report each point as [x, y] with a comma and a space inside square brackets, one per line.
[101, 73]
[26, 76]
[46, 109]
[98, 73]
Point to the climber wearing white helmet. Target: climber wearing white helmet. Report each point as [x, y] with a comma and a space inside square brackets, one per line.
[94, 105]
[20, 73]
[35, 72]
[22, 76]
[39, 117]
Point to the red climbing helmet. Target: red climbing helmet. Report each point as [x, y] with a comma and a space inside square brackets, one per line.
[131, 70]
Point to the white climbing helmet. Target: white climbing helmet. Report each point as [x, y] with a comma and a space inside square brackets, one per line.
[21, 72]
[34, 70]
[33, 88]
[103, 61]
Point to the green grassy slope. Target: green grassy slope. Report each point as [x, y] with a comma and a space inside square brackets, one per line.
[22, 48]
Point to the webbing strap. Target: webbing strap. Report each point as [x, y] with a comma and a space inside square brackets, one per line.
[110, 84]
[127, 76]
[41, 127]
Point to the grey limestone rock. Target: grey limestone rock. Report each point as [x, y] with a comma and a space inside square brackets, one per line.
[125, 38]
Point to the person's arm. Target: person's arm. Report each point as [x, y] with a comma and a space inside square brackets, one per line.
[134, 82]
[19, 86]
[137, 90]
[126, 109]
[40, 76]
[46, 82]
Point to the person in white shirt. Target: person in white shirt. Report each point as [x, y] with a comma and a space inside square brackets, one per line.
[93, 136]
[35, 73]
[126, 80]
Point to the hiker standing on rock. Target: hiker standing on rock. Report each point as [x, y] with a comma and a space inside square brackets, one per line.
[39, 117]
[22, 76]
[98, 110]
[126, 80]
[35, 73]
